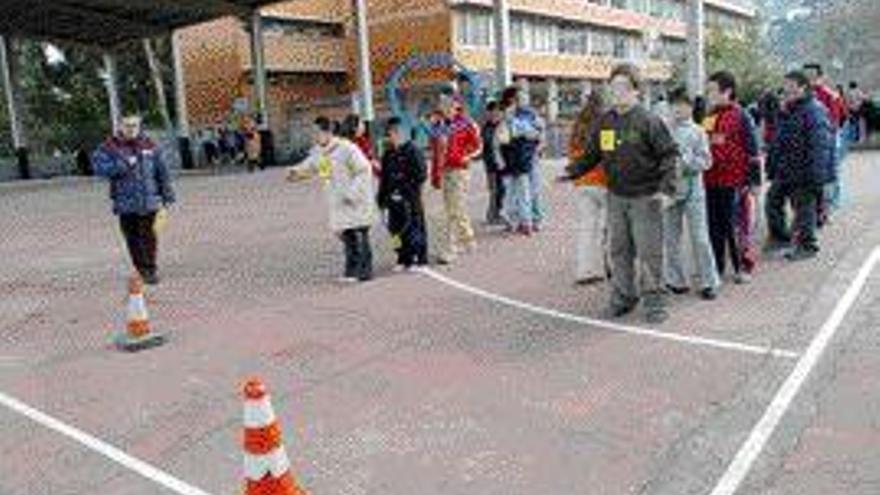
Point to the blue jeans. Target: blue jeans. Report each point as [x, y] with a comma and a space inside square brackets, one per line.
[518, 200]
[536, 189]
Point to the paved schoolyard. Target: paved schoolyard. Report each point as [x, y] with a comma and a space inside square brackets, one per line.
[487, 377]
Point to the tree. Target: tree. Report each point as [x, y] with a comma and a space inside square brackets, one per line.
[747, 57]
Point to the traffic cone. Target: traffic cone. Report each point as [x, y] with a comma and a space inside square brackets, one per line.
[138, 335]
[266, 466]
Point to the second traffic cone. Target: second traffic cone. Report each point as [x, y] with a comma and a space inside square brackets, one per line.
[266, 466]
[138, 334]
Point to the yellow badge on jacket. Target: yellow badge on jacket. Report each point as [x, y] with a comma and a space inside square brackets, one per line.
[324, 166]
[709, 123]
[607, 140]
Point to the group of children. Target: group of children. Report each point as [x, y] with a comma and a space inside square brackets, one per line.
[641, 174]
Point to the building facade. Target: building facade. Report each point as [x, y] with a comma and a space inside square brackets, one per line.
[558, 48]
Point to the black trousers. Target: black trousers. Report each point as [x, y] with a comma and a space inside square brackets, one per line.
[413, 248]
[141, 240]
[804, 200]
[774, 209]
[720, 203]
[358, 253]
[495, 183]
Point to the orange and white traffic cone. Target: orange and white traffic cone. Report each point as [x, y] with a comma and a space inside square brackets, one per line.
[266, 466]
[138, 334]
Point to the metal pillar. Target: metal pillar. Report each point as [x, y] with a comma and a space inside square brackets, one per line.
[15, 117]
[258, 66]
[503, 73]
[696, 62]
[365, 77]
[112, 91]
[552, 100]
[183, 133]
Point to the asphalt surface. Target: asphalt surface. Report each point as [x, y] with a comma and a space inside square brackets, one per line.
[409, 384]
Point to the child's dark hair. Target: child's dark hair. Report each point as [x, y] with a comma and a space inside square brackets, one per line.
[814, 66]
[631, 72]
[492, 106]
[509, 96]
[679, 94]
[725, 81]
[798, 78]
[349, 126]
[393, 124]
[700, 109]
[324, 124]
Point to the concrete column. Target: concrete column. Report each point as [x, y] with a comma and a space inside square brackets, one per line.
[365, 76]
[10, 88]
[258, 66]
[696, 63]
[525, 88]
[112, 90]
[503, 72]
[552, 100]
[586, 89]
[183, 132]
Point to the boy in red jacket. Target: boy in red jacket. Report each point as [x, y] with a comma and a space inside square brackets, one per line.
[735, 169]
[455, 142]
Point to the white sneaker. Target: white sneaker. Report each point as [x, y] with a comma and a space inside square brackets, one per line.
[347, 280]
[741, 278]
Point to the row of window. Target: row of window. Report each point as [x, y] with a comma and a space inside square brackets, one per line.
[533, 34]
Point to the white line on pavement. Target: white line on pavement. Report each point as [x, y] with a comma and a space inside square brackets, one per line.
[606, 325]
[751, 449]
[142, 468]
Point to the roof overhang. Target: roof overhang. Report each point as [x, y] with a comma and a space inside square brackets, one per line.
[111, 22]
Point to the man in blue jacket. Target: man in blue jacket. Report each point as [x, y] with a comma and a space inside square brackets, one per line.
[799, 162]
[140, 186]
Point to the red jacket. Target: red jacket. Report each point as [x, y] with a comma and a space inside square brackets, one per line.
[731, 147]
[366, 146]
[833, 102]
[451, 143]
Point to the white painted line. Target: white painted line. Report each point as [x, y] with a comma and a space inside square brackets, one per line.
[114, 454]
[751, 449]
[607, 325]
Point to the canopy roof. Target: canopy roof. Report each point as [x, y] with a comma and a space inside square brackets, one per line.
[109, 22]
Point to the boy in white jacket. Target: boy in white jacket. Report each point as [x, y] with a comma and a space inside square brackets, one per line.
[346, 173]
[690, 203]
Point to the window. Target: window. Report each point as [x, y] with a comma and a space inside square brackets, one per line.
[602, 43]
[544, 37]
[474, 28]
[574, 40]
[519, 34]
[301, 29]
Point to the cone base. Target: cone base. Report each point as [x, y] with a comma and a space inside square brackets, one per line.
[129, 344]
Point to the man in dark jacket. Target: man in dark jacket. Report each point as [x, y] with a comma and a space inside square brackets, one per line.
[140, 186]
[798, 164]
[640, 158]
[400, 194]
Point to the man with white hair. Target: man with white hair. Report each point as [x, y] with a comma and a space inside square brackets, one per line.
[140, 187]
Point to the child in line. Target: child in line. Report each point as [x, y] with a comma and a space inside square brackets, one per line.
[690, 203]
[400, 194]
[346, 173]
